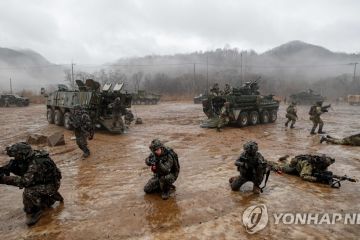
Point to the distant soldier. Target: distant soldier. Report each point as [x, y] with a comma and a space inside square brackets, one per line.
[315, 112]
[6, 102]
[36, 172]
[312, 168]
[83, 128]
[252, 167]
[224, 116]
[129, 117]
[117, 110]
[164, 164]
[215, 90]
[291, 114]
[228, 89]
[353, 140]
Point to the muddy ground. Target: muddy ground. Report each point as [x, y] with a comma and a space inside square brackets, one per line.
[104, 196]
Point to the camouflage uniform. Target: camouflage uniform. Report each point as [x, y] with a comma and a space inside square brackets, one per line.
[165, 167]
[315, 117]
[225, 115]
[305, 166]
[228, 89]
[37, 174]
[83, 128]
[215, 90]
[129, 117]
[117, 110]
[353, 140]
[252, 167]
[291, 115]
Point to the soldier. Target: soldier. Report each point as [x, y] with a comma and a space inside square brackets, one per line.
[305, 166]
[353, 140]
[164, 164]
[291, 114]
[37, 174]
[224, 117]
[315, 112]
[6, 102]
[252, 167]
[215, 90]
[129, 117]
[117, 110]
[228, 89]
[83, 128]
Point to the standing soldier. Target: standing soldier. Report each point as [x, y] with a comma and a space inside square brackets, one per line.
[315, 112]
[83, 128]
[353, 140]
[252, 167]
[129, 117]
[215, 90]
[6, 102]
[228, 89]
[117, 110]
[291, 114]
[224, 117]
[36, 172]
[164, 164]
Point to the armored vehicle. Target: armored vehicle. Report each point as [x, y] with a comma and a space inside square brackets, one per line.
[143, 97]
[198, 99]
[306, 98]
[7, 100]
[247, 107]
[91, 98]
[353, 99]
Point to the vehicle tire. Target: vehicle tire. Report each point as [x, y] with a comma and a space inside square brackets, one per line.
[265, 118]
[59, 118]
[243, 119]
[254, 118]
[67, 123]
[50, 115]
[273, 116]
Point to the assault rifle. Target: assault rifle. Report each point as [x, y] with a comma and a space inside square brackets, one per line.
[325, 108]
[332, 179]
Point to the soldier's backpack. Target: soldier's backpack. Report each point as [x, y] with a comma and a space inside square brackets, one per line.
[319, 162]
[312, 111]
[176, 166]
[50, 173]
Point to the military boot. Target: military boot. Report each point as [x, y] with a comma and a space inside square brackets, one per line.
[165, 193]
[86, 154]
[256, 189]
[57, 197]
[286, 124]
[292, 126]
[323, 139]
[218, 129]
[33, 218]
[321, 131]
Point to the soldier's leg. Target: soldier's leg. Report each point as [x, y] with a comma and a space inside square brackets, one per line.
[315, 124]
[115, 119]
[121, 123]
[287, 122]
[306, 173]
[82, 143]
[293, 121]
[237, 182]
[321, 124]
[165, 185]
[333, 140]
[32, 205]
[153, 185]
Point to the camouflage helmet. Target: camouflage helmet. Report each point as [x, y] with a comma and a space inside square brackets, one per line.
[293, 103]
[155, 144]
[21, 148]
[251, 147]
[117, 99]
[319, 103]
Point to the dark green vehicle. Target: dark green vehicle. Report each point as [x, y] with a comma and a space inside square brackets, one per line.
[90, 97]
[7, 100]
[247, 106]
[143, 97]
[306, 98]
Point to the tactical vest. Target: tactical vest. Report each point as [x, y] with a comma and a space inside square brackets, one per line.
[48, 173]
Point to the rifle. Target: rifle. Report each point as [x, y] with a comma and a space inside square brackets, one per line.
[325, 108]
[333, 180]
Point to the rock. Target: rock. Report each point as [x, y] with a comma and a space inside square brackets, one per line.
[56, 139]
[36, 139]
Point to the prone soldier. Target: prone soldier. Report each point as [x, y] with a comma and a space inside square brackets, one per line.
[36, 172]
[353, 140]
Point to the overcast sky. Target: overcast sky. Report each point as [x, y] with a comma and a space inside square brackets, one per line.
[99, 31]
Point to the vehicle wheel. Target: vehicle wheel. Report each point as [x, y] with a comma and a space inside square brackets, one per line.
[50, 115]
[265, 117]
[67, 123]
[254, 118]
[243, 119]
[273, 116]
[59, 118]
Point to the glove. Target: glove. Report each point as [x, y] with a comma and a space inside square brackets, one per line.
[153, 168]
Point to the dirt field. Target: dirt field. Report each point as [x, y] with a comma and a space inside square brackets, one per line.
[104, 196]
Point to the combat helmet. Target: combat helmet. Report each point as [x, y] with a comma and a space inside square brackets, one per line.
[251, 147]
[19, 149]
[319, 103]
[155, 144]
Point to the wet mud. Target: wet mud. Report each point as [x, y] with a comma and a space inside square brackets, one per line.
[104, 196]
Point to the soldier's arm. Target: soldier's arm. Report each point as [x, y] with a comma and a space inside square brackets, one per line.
[21, 182]
[166, 165]
[240, 161]
[148, 160]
